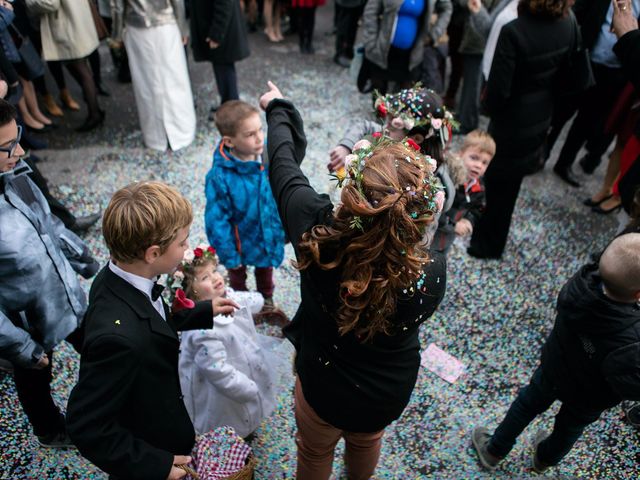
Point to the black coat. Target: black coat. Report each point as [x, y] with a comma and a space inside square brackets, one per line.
[469, 205]
[223, 22]
[352, 385]
[592, 355]
[628, 51]
[591, 14]
[126, 413]
[519, 96]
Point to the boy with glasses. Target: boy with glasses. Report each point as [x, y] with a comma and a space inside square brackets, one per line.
[41, 301]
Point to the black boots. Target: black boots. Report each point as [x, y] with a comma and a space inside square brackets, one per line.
[306, 42]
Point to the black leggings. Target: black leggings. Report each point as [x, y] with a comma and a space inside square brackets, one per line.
[81, 72]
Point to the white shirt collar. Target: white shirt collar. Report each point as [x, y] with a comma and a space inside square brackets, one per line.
[143, 284]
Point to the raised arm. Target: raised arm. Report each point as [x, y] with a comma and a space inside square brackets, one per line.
[299, 205]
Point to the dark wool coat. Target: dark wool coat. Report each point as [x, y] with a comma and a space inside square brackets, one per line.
[592, 355]
[519, 97]
[223, 22]
[126, 413]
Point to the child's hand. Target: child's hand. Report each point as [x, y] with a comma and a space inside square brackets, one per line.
[463, 227]
[336, 158]
[474, 6]
[272, 94]
[176, 472]
[42, 363]
[224, 306]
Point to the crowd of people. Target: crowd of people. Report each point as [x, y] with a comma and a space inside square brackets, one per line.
[372, 268]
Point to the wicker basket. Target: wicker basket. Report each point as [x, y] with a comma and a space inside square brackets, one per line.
[247, 472]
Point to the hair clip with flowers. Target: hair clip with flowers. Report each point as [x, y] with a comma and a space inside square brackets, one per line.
[175, 282]
[415, 108]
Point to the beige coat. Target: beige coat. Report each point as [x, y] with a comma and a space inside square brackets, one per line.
[67, 28]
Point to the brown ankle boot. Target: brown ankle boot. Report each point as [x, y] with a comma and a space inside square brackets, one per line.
[68, 100]
[52, 107]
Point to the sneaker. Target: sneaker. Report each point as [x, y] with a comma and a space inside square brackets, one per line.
[56, 440]
[480, 439]
[632, 413]
[537, 465]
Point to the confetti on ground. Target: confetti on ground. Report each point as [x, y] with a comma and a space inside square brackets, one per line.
[494, 318]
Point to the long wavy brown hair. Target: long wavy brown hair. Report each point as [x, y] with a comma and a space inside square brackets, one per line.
[392, 204]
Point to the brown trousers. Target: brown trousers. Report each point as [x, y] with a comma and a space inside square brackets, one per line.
[316, 441]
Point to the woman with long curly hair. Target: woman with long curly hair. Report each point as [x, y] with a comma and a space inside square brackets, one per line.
[367, 284]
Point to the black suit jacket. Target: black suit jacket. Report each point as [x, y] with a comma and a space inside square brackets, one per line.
[126, 413]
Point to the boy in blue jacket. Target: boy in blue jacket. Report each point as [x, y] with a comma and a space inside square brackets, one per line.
[241, 217]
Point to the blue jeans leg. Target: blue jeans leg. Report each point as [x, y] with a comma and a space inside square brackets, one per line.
[531, 401]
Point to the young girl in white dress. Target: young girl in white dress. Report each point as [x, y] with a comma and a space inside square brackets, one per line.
[229, 373]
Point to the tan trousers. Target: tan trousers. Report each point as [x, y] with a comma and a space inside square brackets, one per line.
[317, 440]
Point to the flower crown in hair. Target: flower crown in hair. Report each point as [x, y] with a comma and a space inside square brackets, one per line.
[175, 281]
[406, 111]
[356, 162]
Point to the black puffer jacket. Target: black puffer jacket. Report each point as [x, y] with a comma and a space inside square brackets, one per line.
[593, 353]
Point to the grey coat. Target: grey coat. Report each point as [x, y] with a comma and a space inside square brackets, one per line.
[38, 256]
[378, 25]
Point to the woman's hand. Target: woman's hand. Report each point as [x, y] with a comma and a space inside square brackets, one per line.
[623, 20]
[272, 94]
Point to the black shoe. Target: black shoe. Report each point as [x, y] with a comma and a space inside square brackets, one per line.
[83, 224]
[92, 123]
[590, 203]
[482, 255]
[56, 440]
[602, 211]
[342, 61]
[567, 176]
[589, 163]
[101, 90]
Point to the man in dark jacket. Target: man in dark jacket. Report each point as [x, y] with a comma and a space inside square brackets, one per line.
[590, 361]
[219, 36]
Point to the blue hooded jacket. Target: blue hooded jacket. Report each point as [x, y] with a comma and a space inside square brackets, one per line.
[241, 217]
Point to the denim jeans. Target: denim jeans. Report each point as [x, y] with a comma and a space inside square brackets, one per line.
[531, 401]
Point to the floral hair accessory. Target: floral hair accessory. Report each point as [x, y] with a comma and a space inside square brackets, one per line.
[192, 259]
[181, 302]
[414, 108]
[355, 164]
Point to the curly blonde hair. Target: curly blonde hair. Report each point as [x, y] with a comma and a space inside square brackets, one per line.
[394, 201]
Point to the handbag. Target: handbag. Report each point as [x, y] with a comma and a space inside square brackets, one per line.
[31, 60]
[578, 73]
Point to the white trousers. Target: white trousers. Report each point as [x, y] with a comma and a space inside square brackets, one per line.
[161, 86]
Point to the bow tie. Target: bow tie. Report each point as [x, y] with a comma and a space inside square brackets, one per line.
[156, 291]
